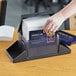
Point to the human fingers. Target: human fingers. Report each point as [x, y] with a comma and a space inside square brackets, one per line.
[48, 21]
[54, 28]
[48, 26]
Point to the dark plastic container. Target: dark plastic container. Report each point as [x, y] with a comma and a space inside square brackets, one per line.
[21, 50]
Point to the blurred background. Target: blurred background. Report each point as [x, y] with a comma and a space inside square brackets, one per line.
[16, 8]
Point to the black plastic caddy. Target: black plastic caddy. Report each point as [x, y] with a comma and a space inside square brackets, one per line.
[23, 51]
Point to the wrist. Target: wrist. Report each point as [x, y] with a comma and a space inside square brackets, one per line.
[59, 18]
[62, 16]
[69, 10]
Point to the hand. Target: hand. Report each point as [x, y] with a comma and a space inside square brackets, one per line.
[53, 23]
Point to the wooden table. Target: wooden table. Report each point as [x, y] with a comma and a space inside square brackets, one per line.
[64, 65]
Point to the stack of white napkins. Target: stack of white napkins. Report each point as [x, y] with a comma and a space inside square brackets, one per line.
[6, 33]
[33, 24]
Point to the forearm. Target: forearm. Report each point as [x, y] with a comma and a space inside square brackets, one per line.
[69, 10]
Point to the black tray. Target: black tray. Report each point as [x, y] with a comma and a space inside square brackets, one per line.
[20, 51]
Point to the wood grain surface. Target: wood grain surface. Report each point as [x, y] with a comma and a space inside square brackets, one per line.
[64, 65]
